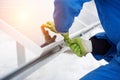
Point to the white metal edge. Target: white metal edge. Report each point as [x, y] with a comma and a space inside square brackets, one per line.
[19, 37]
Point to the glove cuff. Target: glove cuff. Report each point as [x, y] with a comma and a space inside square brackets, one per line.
[88, 45]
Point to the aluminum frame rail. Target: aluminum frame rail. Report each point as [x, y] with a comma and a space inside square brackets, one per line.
[49, 52]
[27, 69]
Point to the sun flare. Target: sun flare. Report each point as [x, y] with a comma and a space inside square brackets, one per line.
[23, 17]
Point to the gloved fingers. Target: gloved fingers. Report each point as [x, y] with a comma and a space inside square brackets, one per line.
[45, 32]
[76, 49]
[50, 23]
[54, 37]
[51, 26]
[42, 29]
[50, 40]
[48, 26]
[47, 38]
[78, 41]
[76, 45]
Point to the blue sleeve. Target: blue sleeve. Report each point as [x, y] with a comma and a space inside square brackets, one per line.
[109, 71]
[117, 57]
[64, 13]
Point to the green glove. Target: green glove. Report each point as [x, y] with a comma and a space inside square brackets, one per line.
[76, 45]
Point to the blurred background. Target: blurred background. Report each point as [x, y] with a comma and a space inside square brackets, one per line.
[27, 15]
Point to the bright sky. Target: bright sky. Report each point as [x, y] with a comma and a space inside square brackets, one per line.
[27, 15]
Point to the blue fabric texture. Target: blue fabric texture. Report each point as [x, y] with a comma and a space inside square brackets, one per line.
[64, 13]
[110, 71]
[109, 15]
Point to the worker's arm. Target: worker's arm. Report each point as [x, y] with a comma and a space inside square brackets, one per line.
[64, 13]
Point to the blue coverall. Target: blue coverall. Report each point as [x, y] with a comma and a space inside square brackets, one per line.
[109, 15]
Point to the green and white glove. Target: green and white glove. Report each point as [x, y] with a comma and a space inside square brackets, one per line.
[76, 44]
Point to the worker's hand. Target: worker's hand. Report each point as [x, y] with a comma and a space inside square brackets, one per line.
[48, 38]
[50, 25]
[75, 44]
